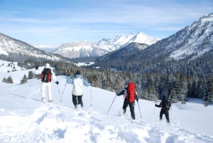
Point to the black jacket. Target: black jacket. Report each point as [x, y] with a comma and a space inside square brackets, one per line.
[164, 105]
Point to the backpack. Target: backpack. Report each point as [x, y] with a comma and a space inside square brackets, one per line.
[46, 75]
[131, 92]
[168, 104]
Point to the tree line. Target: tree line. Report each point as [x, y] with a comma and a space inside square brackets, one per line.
[151, 85]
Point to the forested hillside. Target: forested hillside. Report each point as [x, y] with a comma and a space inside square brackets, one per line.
[179, 66]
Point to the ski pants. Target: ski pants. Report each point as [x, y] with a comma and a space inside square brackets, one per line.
[77, 99]
[44, 86]
[166, 112]
[131, 106]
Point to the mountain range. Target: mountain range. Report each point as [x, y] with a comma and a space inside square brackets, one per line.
[15, 50]
[190, 44]
[102, 47]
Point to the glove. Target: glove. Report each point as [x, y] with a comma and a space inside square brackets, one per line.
[57, 82]
[137, 99]
[155, 105]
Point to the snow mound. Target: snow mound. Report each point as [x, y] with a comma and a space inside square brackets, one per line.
[59, 124]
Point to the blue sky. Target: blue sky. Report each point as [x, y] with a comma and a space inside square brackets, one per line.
[54, 22]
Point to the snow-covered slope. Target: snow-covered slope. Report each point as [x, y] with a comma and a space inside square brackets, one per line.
[15, 50]
[47, 48]
[79, 49]
[88, 49]
[195, 40]
[23, 118]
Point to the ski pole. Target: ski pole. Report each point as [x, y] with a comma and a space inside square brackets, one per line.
[64, 86]
[90, 96]
[155, 106]
[111, 104]
[139, 109]
[154, 111]
[59, 94]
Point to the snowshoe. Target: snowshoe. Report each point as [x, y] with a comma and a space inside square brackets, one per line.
[43, 99]
[50, 100]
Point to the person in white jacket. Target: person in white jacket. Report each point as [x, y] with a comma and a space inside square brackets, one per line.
[46, 77]
[77, 92]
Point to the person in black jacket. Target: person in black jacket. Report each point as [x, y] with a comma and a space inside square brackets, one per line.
[128, 101]
[165, 106]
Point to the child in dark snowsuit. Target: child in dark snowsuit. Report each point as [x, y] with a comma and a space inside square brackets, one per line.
[165, 106]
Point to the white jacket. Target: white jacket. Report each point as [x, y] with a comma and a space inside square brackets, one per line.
[78, 83]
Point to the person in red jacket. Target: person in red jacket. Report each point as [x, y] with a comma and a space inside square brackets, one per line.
[130, 95]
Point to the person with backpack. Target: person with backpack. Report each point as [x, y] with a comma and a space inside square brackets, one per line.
[77, 92]
[165, 106]
[130, 95]
[46, 77]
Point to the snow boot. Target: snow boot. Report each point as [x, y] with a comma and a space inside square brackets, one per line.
[50, 100]
[43, 99]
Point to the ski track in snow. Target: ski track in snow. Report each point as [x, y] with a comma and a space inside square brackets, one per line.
[59, 124]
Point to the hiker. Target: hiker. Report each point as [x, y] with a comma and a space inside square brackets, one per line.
[130, 95]
[77, 92]
[165, 106]
[37, 72]
[46, 77]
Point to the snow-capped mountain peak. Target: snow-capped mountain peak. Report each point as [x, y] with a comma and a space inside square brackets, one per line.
[105, 45]
[123, 40]
[143, 38]
[138, 38]
[208, 18]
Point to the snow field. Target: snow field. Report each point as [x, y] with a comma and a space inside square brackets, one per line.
[24, 119]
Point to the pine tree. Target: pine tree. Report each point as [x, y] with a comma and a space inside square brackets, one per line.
[173, 96]
[208, 98]
[182, 88]
[30, 75]
[9, 79]
[4, 80]
[24, 79]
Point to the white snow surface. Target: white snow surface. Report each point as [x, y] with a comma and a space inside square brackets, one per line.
[3, 52]
[80, 64]
[24, 119]
[47, 48]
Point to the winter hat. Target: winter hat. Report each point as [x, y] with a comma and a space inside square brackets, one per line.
[47, 65]
[36, 67]
[78, 73]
